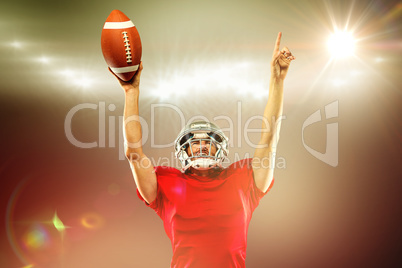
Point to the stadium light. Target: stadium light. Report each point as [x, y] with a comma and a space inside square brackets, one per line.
[341, 44]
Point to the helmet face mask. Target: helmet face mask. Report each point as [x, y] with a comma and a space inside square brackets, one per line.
[202, 146]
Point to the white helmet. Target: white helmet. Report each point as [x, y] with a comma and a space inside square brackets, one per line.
[208, 133]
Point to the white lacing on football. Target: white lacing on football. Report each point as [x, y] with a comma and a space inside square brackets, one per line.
[128, 48]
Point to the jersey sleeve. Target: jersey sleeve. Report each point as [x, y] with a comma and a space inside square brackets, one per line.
[164, 178]
[255, 193]
[154, 204]
[157, 204]
[247, 182]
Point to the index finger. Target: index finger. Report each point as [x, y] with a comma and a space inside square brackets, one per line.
[277, 43]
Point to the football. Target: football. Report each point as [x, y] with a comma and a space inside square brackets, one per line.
[121, 45]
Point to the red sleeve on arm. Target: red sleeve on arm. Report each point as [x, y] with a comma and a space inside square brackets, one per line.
[153, 204]
[156, 205]
[255, 193]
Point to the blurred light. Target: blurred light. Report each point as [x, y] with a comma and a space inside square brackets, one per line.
[83, 82]
[338, 82]
[67, 73]
[58, 224]
[161, 92]
[259, 93]
[379, 59]
[221, 76]
[355, 73]
[341, 44]
[257, 90]
[180, 86]
[44, 60]
[16, 44]
[92, 221]
[77, 78]
[243, 64]
[36, 237]
[242, 91]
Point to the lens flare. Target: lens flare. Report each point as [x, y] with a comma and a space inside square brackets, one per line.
[58, 224]
[92, 221]
[36, 237]
[341, 44]
[44, 60]
[16, 44]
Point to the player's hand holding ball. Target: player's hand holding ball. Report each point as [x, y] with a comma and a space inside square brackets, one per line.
[134, 83]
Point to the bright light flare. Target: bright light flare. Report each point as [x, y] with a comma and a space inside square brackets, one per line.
[67, 73]
[92, 221]
[58, 224]
[77, 78]
[37, 237]
[338, 82]
[341, 44]
[379, 59]
[84, 82]
[16, 44]
[44, 60]
[234, 76]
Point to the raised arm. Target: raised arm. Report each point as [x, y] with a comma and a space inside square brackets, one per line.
[264, 156]
[141, 166]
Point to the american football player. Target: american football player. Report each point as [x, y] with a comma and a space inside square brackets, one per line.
[205, 208]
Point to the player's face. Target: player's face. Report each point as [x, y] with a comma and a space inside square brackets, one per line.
[202, 147]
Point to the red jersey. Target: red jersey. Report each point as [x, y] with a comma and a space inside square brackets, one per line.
[207, 218]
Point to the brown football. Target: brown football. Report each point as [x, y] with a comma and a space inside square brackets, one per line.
[121, 45]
